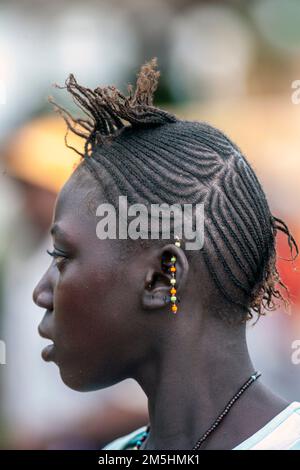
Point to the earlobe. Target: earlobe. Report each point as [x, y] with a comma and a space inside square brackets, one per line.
[154, 294]
[165, 280]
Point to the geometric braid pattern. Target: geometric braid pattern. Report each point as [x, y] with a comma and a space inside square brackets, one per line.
[192, 162]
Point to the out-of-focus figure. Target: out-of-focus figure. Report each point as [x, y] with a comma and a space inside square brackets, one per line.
[39, 411]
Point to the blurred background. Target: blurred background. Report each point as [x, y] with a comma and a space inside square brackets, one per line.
[233, 64]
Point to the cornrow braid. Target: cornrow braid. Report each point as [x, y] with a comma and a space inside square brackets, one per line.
[136, 144]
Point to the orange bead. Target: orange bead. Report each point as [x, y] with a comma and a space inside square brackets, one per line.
[174, 308]
[173, 291]
[172, 269]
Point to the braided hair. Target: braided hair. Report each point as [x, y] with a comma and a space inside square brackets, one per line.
[151, 155]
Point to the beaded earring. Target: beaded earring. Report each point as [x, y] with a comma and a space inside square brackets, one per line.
[173, 289]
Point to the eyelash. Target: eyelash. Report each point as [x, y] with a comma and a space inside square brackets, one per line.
[54, 254]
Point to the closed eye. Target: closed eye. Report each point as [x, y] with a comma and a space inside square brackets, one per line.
[58, 256]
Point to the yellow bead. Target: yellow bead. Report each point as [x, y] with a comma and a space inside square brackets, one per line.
[174, 308]
[172, 269]
[173, 291]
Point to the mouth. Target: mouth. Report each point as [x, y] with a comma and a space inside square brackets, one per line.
[48, 351]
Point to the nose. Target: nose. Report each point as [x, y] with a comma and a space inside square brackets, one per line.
[43, 293]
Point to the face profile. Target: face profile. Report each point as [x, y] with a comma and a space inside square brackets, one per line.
[86, 295]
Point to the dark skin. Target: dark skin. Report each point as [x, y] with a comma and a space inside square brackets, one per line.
[98, 425]
[108, 318]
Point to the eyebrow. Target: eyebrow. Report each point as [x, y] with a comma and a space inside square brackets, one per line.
[61, 235]
[56, 230]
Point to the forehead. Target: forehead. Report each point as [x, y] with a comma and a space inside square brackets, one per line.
[75, 208]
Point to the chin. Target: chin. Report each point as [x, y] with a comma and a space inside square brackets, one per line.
[76, 380]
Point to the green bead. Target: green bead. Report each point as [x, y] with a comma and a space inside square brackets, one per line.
[173, 298]
[173, 259]
[173, 281]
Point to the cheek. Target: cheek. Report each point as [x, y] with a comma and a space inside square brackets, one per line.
[88, 326]
[80, 301]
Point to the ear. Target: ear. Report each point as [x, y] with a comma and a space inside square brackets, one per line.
[156, 293]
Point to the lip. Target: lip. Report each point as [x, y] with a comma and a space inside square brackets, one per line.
[48, 353]
[43, 329]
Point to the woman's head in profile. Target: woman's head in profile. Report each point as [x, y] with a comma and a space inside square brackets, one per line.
[107, 300]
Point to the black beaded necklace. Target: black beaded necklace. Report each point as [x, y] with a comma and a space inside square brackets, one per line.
[219, 419]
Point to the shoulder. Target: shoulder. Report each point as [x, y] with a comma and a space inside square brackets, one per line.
[126, 441]
[281, 433]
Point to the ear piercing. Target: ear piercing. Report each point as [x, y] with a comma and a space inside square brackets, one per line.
[173, 289]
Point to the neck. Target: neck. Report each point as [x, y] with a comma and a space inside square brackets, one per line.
[191, 379]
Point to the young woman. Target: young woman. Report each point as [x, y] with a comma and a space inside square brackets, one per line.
[171, 318]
